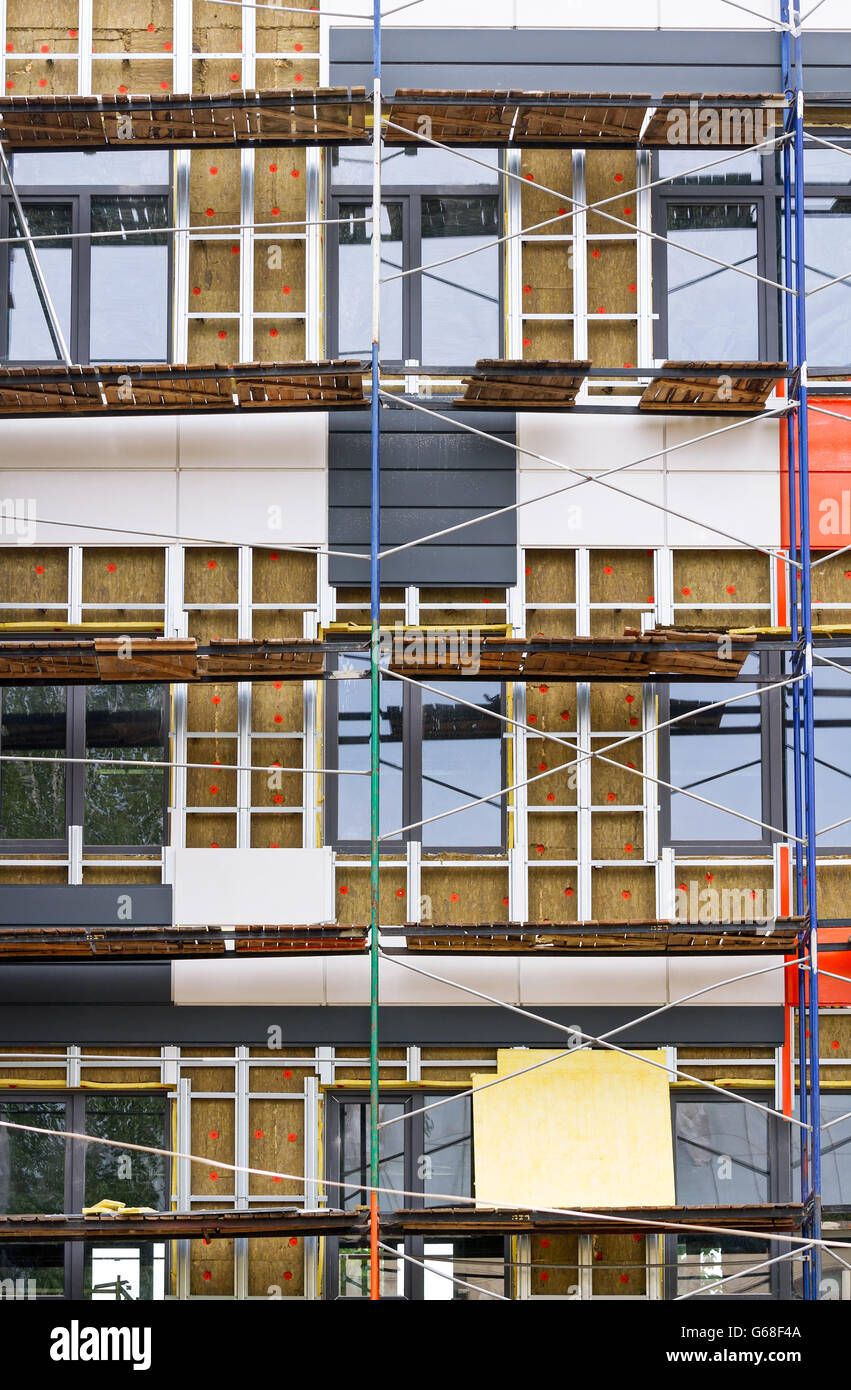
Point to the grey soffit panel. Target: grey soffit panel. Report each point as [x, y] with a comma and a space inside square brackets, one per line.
[580, 60]
[74, 984]
[158, 1023]
[432, 476]
[86, 905]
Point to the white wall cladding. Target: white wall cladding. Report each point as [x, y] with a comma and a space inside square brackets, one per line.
[580, 14]
[252, 887]
[694, 481]
[345, 981]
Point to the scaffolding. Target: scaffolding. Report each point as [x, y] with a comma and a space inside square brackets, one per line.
[333, 116]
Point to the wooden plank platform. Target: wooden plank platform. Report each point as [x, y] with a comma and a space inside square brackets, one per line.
[517, 385]
[767, 1217]
[727, 388]
[626, 937]
[159, 943]
[161, 388]
[713, 121]
[530, 120]
[662, 654]
[302, 116]
[185, 1225]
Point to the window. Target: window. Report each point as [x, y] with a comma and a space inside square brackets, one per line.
[450, 315]
[733, 211]
[727, 1153]
[435, 754]
[39, 1173]
[835, 1152]
[117, 806]
[832, 706]
[727, 755]
[430, 1156]
[110, 292]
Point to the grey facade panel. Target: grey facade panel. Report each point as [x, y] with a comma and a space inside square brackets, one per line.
[86, 905]
[158, 1023]
[580, 60]
[69, 986]
[433, 475]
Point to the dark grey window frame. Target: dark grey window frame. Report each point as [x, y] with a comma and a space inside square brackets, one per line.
[75, 1251]
[410, 195]
[75, 787]
[771, 766]
[822, 851]
[412, 1131]
[780, 1190]
[411, 780]
[79, 198]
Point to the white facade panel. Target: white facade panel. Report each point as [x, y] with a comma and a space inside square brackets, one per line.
[747, 509]
[252, 887]
[254, 507]
[590, 514]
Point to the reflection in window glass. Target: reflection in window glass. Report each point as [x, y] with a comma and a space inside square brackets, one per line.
[703, 1260]
[91, 167]
[354, 1136]
[129, 272]
[414, 165]
[32, 794]
[353, 727]
[125, 1175]
[828, 166]
[354, 317]
[462, 760]
[476, 1260]
[125, 805]
[832, 749]
[32, 1166]
[828, 235]
[716, 755]
[448, 1151]
[28, 334]
[722, 1154]
[835, 1151]
[122, 1273]
[712, 312]
[460, 300]
[743, 168]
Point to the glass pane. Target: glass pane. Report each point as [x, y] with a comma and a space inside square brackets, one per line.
[354, 298]
[29, 335]
[32, 795]
[477, 1262]
[676, 164]
[87, 168]
[129, 297]
[448, 1157]
[32, 1166]
[715, 755]
[354, 1272]
[461, 300]
[713, 313]
[833, 753]
[34, 1270]
[828, 236]
[136, 1179]
[721, 1153]
[354, 1166]
[828, 166]
[835, 1151]
[703, 1260]
[124, 805]
[124, 1272]
[353, 697]
[418, 166]
[462, 760]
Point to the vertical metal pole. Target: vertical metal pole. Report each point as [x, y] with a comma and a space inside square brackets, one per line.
[794, 618]
[813, 1212]
[375, 622]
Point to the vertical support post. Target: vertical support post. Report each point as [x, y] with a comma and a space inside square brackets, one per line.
[374, 675]
[812, 1214]
[794, 610]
